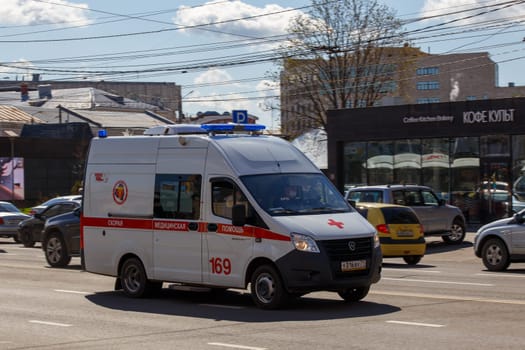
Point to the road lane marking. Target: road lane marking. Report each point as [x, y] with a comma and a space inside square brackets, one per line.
[71, 291]
[224, 306]
[417, 324]
[235, 346]
[50, 323]
[451, 297]
[439, 282]
[495, 274]
[411, 270]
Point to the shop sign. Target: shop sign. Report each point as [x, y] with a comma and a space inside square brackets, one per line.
[488, 116]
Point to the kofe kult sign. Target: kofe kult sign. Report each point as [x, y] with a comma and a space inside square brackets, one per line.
[453, 119]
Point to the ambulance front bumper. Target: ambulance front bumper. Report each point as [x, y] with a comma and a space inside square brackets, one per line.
[334, 268]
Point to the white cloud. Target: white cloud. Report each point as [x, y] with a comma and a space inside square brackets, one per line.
[27, 12]
[212, 76]
[268, 88]
[217, 99]
[220, 11]
[448, 7]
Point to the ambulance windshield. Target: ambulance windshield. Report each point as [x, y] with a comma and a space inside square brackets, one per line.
[295, 194]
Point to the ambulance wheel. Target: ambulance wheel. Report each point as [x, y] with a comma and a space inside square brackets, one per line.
[354, 294]
[56, 250]
[267, 288]
[133, 278]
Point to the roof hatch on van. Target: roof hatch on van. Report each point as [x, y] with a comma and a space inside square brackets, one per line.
[176, 129]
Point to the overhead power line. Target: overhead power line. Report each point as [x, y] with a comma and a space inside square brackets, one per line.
[434, 33]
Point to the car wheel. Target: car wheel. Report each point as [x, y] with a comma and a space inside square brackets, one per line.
[267, 288]
[354, 294]
[134, 280]
[26, 238]
[495, 255]
[16, 239]
[457, 233]
[56, 250]
[412, 259]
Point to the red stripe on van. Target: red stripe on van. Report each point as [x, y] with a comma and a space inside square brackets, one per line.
[170, 225]
[267, 234]
[144, 224]
[250, 231]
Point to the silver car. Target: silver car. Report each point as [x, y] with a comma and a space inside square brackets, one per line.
[437, 217]
[501, 242]
[10, 217]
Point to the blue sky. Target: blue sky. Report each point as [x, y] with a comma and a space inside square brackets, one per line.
[167, 41]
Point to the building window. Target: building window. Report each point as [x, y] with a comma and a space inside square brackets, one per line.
[388, 87]
[380, 162]
[354, 163]
[427, 71]
[428, 100]
[435, 163]
[407, 161]
[427, 85]
[471, 98]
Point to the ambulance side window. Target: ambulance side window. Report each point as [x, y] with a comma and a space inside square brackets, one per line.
[224, 196]
[177, 196]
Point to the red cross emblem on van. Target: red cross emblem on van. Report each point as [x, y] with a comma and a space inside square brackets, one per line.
[339, 224]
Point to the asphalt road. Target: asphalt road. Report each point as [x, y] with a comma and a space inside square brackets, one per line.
[447, 301]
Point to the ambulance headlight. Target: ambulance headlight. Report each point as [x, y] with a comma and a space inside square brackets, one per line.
[304, 243]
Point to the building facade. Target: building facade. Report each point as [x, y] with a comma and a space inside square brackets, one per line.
[472, 153]
[166, 96]
[416, 78]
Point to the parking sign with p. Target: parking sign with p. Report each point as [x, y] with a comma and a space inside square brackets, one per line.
[240, 116]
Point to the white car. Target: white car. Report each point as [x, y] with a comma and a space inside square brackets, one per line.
[501, 242]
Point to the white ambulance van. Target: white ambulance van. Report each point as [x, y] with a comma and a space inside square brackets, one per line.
[209, 206]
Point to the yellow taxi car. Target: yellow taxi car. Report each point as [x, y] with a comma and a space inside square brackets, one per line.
[399, 229]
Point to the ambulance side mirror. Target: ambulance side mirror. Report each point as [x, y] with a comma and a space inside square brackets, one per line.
[239, 215]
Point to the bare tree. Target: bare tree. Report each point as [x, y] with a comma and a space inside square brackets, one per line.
[340, 55]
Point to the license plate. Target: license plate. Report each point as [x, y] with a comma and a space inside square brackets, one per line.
[353, 265]
[405, 233]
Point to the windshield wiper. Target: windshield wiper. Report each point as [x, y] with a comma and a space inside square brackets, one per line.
[323, 209]
[329, 210]
[283, 211]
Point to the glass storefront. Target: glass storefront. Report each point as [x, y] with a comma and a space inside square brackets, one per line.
[484, 176]
[518, 168]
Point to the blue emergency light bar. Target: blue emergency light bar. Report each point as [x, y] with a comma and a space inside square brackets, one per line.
[102, 133]
[233, 127]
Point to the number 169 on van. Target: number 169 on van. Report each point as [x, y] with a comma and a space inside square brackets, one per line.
[221, 266]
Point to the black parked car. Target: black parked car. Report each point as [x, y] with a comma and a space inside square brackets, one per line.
[30, 230]
[61, 238]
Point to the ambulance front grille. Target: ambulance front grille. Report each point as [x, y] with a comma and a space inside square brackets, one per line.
[338, 250]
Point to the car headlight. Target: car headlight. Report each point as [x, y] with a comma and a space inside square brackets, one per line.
[304, 243]
[376, 240]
